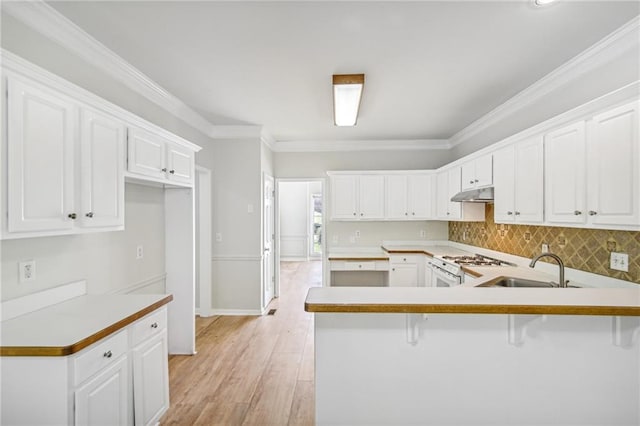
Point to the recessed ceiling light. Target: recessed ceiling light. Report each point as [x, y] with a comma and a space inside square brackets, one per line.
[543, 2]
[347, 92]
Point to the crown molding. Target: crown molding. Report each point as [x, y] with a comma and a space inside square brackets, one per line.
[361, 145]
[619, 41]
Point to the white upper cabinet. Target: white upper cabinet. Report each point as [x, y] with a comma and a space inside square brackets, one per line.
[101, 170]
[613, 167]
[454, 184]
[518, 181]
[153, 156]
[448, 184]
[357, 197]
[477, 172]
[40, 158]
[565, 183]
[409, 197]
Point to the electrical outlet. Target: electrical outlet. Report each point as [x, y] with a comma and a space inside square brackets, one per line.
[620, 261]
[27, 270]
[464, 235]
[218, 237]
[545, 248]
[139, 252]
[357, 234]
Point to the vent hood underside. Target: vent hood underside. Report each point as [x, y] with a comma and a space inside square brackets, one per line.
[480, 195]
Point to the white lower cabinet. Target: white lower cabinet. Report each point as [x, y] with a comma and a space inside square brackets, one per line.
[122, 379]
[405, 271]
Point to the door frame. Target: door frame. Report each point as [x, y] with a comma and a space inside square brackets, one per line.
[325, 204]
[204, 240]
[267, 177]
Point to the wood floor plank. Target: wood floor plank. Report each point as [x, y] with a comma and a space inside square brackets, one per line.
[251, 370]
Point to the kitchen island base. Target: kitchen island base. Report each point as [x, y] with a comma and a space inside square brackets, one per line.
[470, 369]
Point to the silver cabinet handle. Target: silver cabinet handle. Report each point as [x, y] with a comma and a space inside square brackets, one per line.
[509, 213]
[448, 213]
[154, 325]
[172, 171]
[592, 212]
[164, 169]
[90, 214]
[517, 213]
[577, 212]
[72, 216]
[476, 181]
[108, 354]
[471, 181]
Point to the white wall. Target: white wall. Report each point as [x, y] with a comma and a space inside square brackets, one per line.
[107, 260]
[372, 234]
[293, 206]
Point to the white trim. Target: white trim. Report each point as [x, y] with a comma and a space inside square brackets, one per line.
[32, 302]
[203, 225]
[236, 258]
[241, 312]
[140, 284]
[205, 313]
[13, 64]
[361, 145]
[622, 39]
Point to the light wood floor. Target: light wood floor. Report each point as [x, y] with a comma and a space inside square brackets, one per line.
[251, 370]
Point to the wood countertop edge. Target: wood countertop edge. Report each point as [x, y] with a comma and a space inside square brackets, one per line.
[78, 346]
[474, 309]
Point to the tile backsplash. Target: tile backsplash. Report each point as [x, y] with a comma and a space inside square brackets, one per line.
[584, 249]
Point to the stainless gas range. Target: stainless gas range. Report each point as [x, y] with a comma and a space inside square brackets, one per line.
[447, 270]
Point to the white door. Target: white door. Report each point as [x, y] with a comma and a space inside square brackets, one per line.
[565, 178]
[529, 181]
[420, 197]
[371, 197]
[504, 184]
[396, 197]
[180, 164]
[484, 170]
[614, 163]
[104, 400]
[40, 168]
[146, 154]
[102, 165]
[344, 202]
[268, 275]
[151, 380]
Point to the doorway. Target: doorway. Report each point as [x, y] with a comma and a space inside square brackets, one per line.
[300, 224]
[268, 236]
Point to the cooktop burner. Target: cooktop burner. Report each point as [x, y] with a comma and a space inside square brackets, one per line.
[476, 260]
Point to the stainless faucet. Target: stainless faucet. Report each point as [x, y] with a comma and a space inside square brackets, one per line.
[562, 282]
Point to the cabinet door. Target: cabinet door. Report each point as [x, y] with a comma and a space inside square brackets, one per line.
[529, 182]
[504, 185]
[151, 380]
[565, 178]
[104, 400]
[396, 197]
[102, 165]
[40, 153]
[442, 195]
[180, 164]
[454, 183]
[344, 201]
[420, 197]
[614, 163]
[146, 154]
[371, 197]
[403, 275]
[468, 175]
[484, 170]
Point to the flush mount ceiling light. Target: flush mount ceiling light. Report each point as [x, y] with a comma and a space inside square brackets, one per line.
[347, 92]
[543, 2]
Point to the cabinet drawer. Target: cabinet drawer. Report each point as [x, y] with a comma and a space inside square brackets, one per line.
[100, 356]
[360, 266]
[403, 259]
[149, 325]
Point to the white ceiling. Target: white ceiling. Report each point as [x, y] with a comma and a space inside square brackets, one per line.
[432, 68]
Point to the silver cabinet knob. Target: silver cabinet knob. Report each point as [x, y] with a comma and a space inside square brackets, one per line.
[72, 216]
[90, 214]
[476, 181]
[509, 213]
[107, 354]
[470, 181]
[354, 213]
[577, 212]
[592, 212]
[154, 325]
[404, 259]
[361, 214]
[413, 214]
[172, 171]
[517, 213]
[164, 169]
[406, 214]
[448, 213]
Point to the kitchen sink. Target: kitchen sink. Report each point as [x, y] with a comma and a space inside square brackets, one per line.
[513, 282]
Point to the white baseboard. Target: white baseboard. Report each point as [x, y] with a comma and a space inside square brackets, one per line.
[205, 313]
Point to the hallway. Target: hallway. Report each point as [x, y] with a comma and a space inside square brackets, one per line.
[251, 370]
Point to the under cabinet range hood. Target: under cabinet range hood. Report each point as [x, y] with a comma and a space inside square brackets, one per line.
[479, 195]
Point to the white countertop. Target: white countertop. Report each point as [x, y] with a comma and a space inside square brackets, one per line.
[64, 326]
